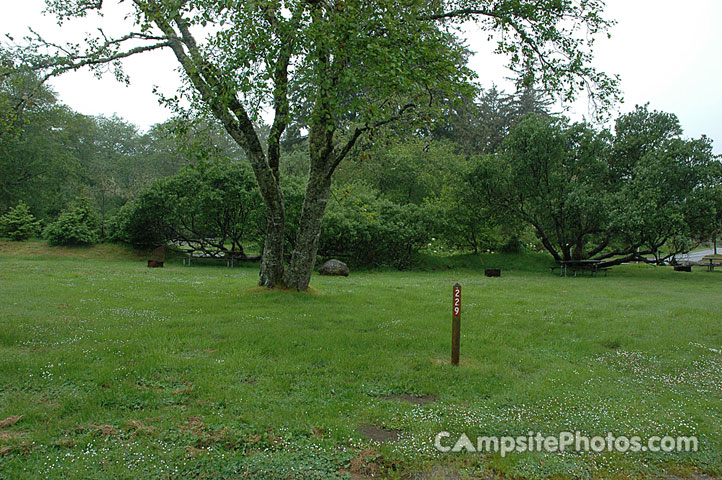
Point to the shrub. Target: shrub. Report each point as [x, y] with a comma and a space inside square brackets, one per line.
[140, 221]
[512, 245]
[212, 206]
[18, 223]
[367, 230]
[77, 225]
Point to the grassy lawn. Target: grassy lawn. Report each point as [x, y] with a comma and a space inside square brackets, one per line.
[120, 371]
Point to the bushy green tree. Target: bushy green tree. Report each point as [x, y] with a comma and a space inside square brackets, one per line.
[368, 230]
[470, 222]
[591, 194]
[140, 222]
[665, 208]
[77, 225]
[33, 160]
[407, 169]
[552, 176]
[212, 207]
[19, 224]
[661, 183]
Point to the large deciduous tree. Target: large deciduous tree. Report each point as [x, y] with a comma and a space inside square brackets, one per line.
[210, 207]
[27, 112]
[590, 194]
[552, 176]
[340, 68]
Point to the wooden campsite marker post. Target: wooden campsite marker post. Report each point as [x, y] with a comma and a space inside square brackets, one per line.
[456, 325]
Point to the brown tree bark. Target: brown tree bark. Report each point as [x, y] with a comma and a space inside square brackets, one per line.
[303, 259]
[323, 163]
[271, 272]
[220, 97]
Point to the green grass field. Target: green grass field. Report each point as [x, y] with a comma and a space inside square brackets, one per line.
[109, 369]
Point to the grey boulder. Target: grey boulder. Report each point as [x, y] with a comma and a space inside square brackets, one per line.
[334, 267]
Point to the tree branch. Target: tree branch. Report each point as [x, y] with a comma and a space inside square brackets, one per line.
[280, 91]
[103, 53]
[338, 157]
[462, 12]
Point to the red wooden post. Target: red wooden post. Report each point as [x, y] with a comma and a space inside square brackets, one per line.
[456, 325]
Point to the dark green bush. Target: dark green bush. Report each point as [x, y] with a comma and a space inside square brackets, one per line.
[78, 225]
[364, 229]
[513, 244]
[18, 223]
[212, 206]
[139, 222]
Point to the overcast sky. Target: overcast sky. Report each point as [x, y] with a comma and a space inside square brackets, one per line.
[666, 54]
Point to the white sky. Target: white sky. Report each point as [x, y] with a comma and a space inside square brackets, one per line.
[666, 55]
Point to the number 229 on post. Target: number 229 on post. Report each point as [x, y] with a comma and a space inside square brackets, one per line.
[457, 300]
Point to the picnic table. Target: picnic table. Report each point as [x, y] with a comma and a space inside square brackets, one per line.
[196, 255]
[579, 266]
[712, 261]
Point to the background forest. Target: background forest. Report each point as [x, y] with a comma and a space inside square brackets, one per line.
[503, 172]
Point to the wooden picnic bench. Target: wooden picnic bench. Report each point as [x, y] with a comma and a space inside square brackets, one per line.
[192, 255]
[711, 262]
[579, 266]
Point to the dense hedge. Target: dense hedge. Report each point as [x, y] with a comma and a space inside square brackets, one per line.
[365, 229]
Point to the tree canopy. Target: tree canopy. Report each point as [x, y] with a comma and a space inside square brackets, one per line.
[602, 195]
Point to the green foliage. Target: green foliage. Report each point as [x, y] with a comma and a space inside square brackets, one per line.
[32, 160]
[48, 152]
[369, 230]
[212, 206]
[639, 133]
[480, 125]
[78, 225]
[406, 170]
[139, 222]
[714, 203]
[470, 223]
[666, 198]
[550, 173]
[19, 224]
[588, 193]
[22, 93]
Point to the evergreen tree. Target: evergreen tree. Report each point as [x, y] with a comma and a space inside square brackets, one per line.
[19, 224]
[78, 225]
